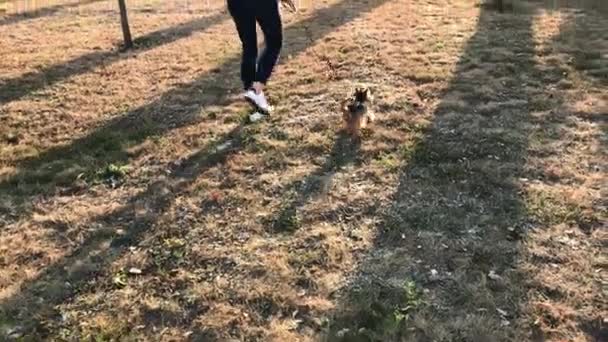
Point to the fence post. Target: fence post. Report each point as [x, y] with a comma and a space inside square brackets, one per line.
[124, 21]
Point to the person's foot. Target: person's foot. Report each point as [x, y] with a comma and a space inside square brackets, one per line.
[257, 99]
[256, 116]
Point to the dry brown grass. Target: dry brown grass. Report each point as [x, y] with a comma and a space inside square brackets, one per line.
[474, 210]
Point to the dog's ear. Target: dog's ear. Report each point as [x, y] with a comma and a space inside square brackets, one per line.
[367, 93]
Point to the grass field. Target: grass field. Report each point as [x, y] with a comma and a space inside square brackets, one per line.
[136, 203]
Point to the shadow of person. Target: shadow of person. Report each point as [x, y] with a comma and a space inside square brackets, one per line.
[443, 265]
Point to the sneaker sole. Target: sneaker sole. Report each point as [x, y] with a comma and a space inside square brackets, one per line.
[256, 106]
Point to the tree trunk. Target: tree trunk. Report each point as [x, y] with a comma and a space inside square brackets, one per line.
[124, 21]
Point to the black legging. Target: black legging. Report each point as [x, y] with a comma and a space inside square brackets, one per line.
[266, 13]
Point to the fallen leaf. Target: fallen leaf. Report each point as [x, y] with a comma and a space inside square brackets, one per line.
[120, 279]
[134, 270]
[224, 146]
[492, 275]
[343, 332]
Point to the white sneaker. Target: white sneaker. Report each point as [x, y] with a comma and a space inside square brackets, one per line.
[258, 100]
[257, 116]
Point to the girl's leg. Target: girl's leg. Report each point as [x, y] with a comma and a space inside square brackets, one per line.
[269, 18]
[244, 19]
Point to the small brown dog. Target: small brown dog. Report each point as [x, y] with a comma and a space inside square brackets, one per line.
[357, 112]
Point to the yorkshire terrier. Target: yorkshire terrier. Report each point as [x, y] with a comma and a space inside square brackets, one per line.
[357, 112]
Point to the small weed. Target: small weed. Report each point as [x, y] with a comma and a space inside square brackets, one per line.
[411, 301]
[439, 46]
[111, 174]
[113, 171]
[383, 312]
[120, 279]
[170, 254]
[412, 296]
[389, 161]
[174, 243]
[161, 141]
[288, 221]
[408, 149]
[547, 209]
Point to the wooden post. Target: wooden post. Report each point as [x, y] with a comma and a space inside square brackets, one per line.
[500, 5]
[124, 21]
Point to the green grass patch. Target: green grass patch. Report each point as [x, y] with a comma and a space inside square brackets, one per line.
[382, 312]
[550, 209]
[111, 174]
[287, 221]
[389, 161]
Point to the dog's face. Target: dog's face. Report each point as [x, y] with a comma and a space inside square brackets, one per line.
[362, 95]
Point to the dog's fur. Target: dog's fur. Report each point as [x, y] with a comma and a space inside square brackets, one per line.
[357, 112]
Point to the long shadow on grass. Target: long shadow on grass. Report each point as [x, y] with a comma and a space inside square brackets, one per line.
[36, 301]
[41, 12]
[16, 88]
[444, 263]
[137, 217]
[343, 152]
[583, 33]
[597, 7]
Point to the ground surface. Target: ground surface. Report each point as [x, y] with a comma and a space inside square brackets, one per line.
[135, 204]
